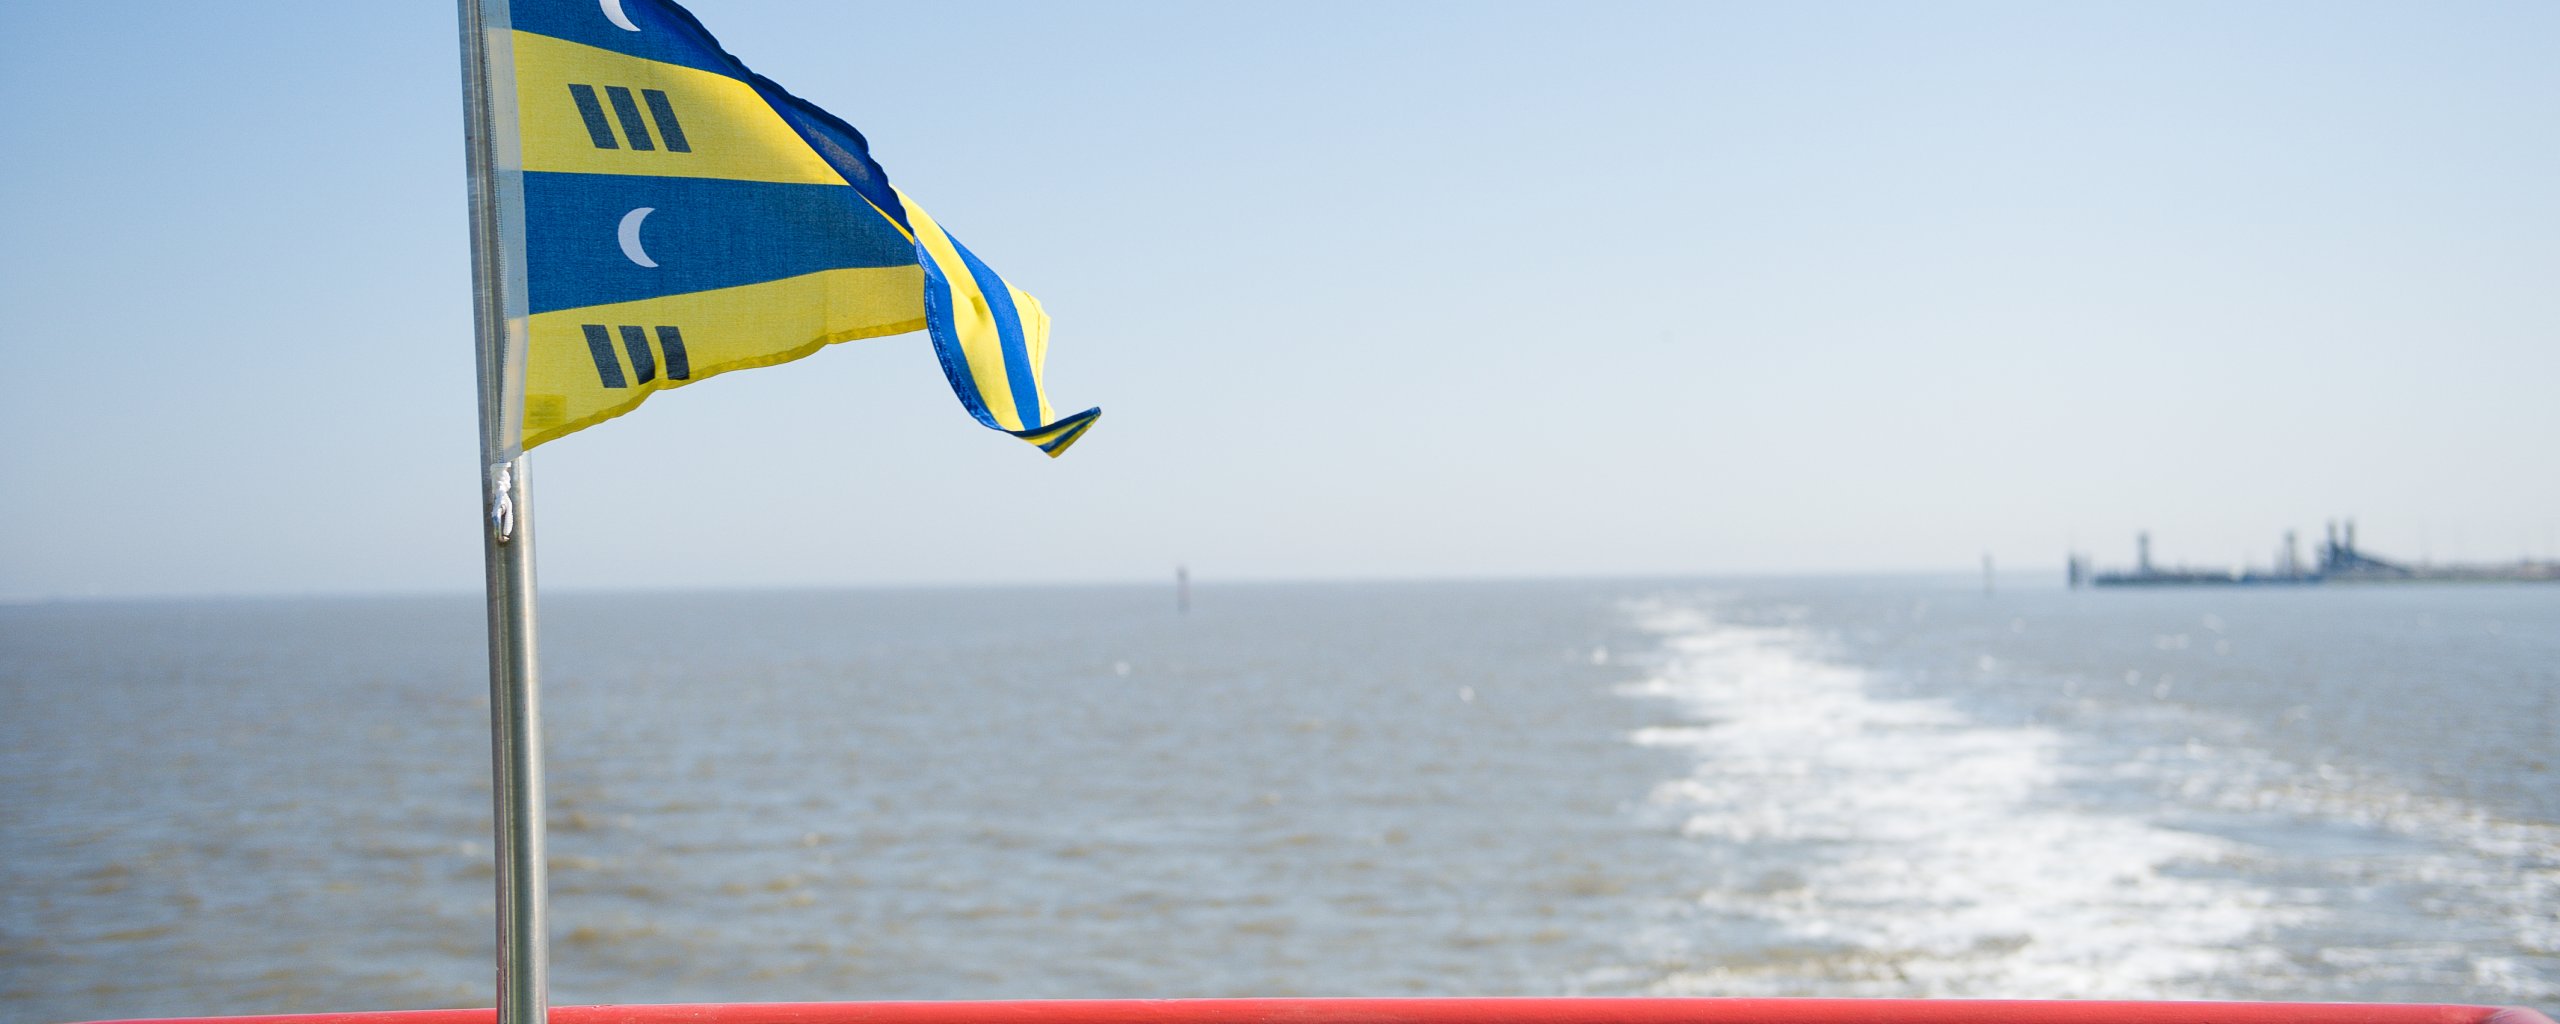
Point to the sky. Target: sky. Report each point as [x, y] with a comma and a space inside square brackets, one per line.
[1368, 291]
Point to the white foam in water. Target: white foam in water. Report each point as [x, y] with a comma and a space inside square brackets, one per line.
[1879, 845]
[2493, 880]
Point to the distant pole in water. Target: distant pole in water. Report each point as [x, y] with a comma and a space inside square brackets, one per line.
[1986, 574]
[1182, 588]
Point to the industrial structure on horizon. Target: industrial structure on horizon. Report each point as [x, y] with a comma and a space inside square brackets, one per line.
[2340, 561]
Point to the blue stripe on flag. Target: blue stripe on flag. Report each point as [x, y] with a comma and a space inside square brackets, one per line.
[628, 110]
[669, 36]
[679, 366]
[592, 111]
[1068, 427]
[705, 233]
[664, 113]
[1017, 357]
[843, 147]
[600, 347]
[669, 33]
[644, 363]
[946, 341]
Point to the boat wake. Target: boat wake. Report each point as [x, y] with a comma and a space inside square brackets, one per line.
[1872, 845]
[1855, 838]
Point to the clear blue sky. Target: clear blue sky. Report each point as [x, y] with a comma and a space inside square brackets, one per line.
[1370, 290]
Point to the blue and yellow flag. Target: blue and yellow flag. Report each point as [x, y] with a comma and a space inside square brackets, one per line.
[671, 215]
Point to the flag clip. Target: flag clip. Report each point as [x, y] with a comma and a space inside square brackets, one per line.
[502, 503]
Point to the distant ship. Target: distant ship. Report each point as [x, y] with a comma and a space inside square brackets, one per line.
[2340, 562]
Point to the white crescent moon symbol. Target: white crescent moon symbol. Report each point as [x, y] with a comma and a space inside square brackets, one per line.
[630, 233]
[613, 13]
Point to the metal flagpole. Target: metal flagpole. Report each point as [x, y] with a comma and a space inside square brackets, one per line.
[515, 721]
[515, 734]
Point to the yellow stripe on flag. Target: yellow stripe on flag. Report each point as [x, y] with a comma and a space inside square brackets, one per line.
[719, 330]
[726, 128]
[1035, 340]
[981, 343]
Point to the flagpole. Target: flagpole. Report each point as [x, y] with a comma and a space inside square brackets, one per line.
[515, 707]
[515, 736]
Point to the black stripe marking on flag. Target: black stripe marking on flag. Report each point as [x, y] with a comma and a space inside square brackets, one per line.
[665, 114]
[597, 131]
[678, 366]
[600, 345]
[628, 110]
[644, 363]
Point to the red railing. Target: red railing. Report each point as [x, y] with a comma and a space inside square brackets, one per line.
[1459, 1011]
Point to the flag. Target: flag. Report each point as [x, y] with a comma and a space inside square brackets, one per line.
[668, 215]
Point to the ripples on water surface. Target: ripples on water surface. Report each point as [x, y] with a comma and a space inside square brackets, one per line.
[1884, 787]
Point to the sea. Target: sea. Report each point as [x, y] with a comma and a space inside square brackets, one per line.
[1891, 786]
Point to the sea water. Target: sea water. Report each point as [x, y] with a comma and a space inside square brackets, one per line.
[1872, 787]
